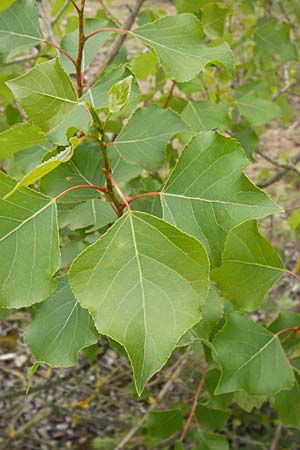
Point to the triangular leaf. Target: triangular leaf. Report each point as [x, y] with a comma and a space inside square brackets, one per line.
[248, 259]
[60, 328]
[183, 58]
[251, 358]
[204, 116]
[208, 186]
[29, 245]
[45, 93]
[143, 282]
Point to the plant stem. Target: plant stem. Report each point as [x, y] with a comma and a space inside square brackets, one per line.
[52, 44]
[168, 99]
[80, 186]
[81, 42]
[117, 188]
[103, 30]
[147, 194]
[106, 163]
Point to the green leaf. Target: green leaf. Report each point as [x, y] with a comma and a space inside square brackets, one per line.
[118, 95]
[274, 37]
[221, 401]
[209, 187]
[213, 20]
[248, 402]
[19, 27]
[60, 328]
[211, 441]
[258, 111]
[143, 282]
[85, 167]
[143, 140]
[45, 93]
[211, 419]
[248, 260]
[163, 424]
[29, 246]
[143, 65]
[19, 137]
[70, 43]
[182, 59]
[212, 313]
[251, 358]
[94, 214]
[204, 116]
[287, 404]
[43, 169]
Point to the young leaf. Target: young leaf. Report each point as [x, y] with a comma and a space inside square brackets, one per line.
[251, 358]
[19, 27]
[94, 214]
[118, 95]
[182, 59]
[204, 115]
[19, 137]
[287, 404]
[45, 93]
[144, 138]
[208, 186]
[43, 169]
[248, 259]
[143, 282]
[60, 328]
[29, 245]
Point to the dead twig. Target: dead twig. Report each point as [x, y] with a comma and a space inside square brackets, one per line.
[181, 363]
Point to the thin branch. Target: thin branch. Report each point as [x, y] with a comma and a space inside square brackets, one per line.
[75, 6]
[60, 12]
[277, 437]
[192, 413]
[80, 186]
[170, 95]
[147, 194]
[21, 59]
[181, 363]
[103, 30]
[282, 173]
[117, 188]
[115, 48]
[61, 50]
[44, 17]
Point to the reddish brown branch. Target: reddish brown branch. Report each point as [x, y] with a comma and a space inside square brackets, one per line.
[103, 30]
[192, 413]
[171, 93]
[147, 194]
[52, 44]
[80, 186]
